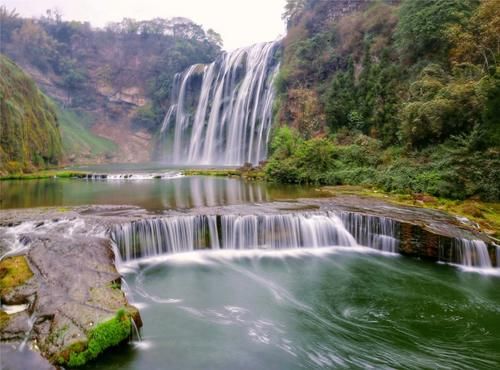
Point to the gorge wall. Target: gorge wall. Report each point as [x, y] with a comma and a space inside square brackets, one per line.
[29, 128]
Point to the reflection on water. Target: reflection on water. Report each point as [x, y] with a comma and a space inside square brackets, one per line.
[155, 195]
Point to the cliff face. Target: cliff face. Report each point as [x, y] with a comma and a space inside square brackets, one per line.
[29, 130]
[114, 80]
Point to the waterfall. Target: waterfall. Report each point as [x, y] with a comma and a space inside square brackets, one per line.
[152, 237]
[221, 113]
[472, 253]
[374, 231]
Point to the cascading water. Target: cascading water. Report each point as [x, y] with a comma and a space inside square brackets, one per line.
[221, 113]
[374, 231]
[472, 253]
[152, 237]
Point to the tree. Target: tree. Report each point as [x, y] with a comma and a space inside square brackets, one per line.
[9, 21]
[421, 31]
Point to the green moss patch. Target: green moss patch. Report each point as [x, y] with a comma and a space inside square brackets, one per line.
[105, 335]
[4, 319]
[14, 271]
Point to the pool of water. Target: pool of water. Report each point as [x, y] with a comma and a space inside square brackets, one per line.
[151, 194]
[309, 309]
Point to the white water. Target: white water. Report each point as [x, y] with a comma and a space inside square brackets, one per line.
[225, 118]
[472, 253]
[154, 237]
[150, 238]
[134, 176]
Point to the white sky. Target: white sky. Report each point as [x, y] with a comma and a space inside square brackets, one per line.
[240, 22]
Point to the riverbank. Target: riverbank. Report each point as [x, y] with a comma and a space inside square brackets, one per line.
[485, 214]
[45, 174]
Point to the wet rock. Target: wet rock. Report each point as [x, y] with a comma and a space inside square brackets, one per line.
[16, 328]
[12, 359]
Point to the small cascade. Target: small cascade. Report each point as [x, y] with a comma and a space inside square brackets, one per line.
[471, 253]
[153, 237]
[221, 113]
[132, 176]
[497, 249]
[377, 232]
[135, 335]
[147, 238]
[31, 323]
[284, 231]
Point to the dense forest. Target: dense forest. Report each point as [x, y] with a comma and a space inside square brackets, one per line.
[116, 77]
[404, 96]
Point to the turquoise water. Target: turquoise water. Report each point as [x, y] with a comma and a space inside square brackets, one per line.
[326, 308]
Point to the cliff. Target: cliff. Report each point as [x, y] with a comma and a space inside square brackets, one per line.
[111, 83]
[29, 129]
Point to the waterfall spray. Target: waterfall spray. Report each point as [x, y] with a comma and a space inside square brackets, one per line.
[229, 122]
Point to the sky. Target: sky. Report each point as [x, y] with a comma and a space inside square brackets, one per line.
[240, 22]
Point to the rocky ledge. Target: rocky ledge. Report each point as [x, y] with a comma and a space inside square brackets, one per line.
[70, 294]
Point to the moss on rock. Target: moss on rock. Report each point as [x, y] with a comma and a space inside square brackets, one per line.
[14, 271]
[105, 335]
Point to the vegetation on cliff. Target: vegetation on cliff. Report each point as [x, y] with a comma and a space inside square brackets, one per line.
[119, 77]
[29, 129]
[403, 96]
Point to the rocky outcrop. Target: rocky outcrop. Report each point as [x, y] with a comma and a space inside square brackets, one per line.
[74, 288]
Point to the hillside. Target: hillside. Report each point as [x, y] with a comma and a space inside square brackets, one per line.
[112, 82]
[29, 128]
[400, 95]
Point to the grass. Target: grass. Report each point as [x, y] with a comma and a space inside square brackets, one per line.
[485, 214]
[45, 174]
[14, 271]
[244, 172]
[77, 138]
[105, 335]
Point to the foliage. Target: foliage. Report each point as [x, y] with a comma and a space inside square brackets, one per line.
[406, 97]
[106, 334]
[90, 65]
[422, 27]
[145, 117]
[29, 129]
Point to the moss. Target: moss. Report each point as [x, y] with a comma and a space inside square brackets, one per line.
[30, 135]
[4, 319]
[14, 271]
[105, 335]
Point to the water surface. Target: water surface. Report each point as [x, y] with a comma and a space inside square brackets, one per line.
[151, 194]
[310, 309]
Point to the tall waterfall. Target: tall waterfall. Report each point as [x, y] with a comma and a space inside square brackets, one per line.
[152, 237]
[221, 113]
